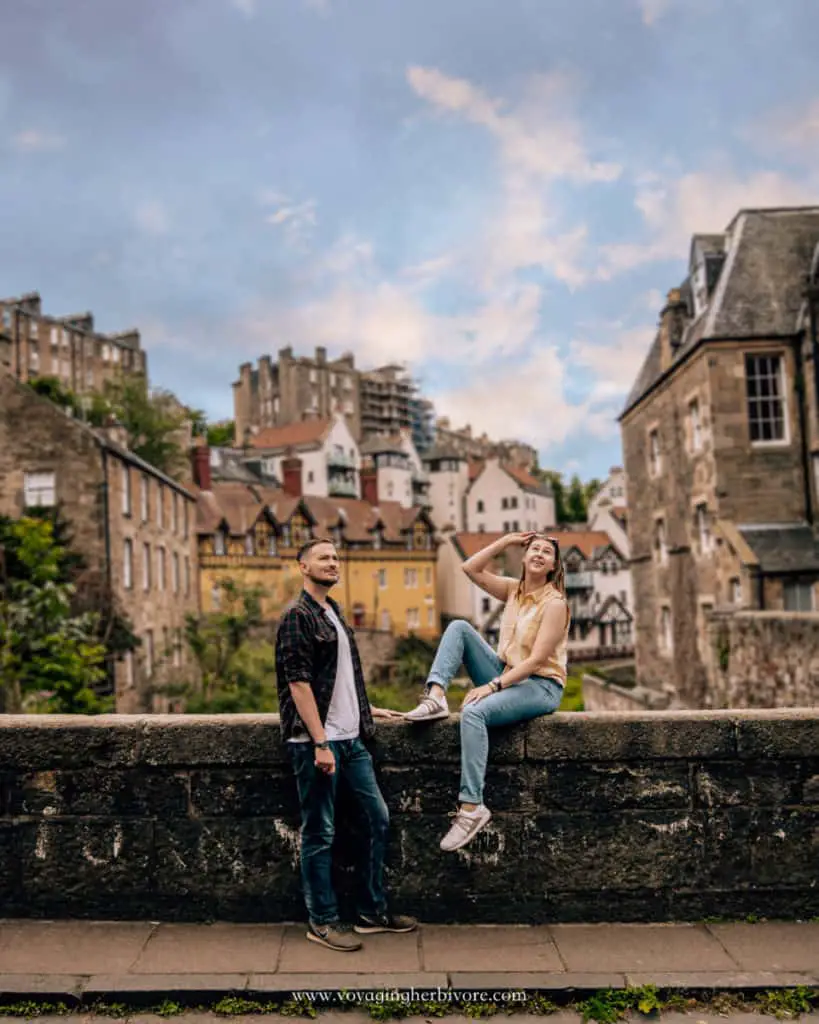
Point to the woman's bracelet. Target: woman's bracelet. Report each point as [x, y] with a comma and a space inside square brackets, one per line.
[496, 684]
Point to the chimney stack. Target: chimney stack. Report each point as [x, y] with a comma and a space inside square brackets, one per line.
[291, 477]
[369, 486]
[200, 464]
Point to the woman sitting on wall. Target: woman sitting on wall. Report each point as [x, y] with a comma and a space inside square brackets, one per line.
[523, 680]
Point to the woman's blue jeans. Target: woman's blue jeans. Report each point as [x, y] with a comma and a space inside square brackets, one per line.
[461, 644]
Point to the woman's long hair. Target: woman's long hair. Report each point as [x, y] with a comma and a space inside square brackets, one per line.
[556, 576]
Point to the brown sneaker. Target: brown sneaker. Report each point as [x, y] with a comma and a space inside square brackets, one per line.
[333, 936]
[372, 924]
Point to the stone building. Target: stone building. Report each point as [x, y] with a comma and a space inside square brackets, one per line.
[466, 444]
[721, 446]
[134, 526]
[33, 344]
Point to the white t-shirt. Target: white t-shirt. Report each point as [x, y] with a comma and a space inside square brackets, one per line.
[343, 714]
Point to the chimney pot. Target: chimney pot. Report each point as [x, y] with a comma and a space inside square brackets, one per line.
[200, 459]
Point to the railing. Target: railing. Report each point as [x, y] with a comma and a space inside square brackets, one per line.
[340, 488]
[340, 460]
[579, 581]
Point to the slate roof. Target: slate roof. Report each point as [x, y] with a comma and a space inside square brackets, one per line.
[441, 452]
[758, 291]
[381, 445]
[783, 548]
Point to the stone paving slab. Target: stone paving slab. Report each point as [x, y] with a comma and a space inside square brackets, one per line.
[72, 947]
[381, 954]
[270, 984]
[479, 948]
[640, 947]
[211, 949]
[780, 946]
[158, 986]
[722, 980]
[536, 981]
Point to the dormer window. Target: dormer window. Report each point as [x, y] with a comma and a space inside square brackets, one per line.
[219, 543]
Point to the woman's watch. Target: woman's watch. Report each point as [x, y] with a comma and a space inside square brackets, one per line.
[496, 684]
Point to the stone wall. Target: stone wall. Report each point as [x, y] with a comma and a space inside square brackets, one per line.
[604, 695]
[376, 648]
[663, 816]
[764, 659]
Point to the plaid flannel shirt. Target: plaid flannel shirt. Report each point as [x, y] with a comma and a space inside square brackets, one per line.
[307, 652]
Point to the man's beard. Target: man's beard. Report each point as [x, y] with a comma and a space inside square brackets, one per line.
[327, 584]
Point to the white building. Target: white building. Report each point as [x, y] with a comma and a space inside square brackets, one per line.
[400, 474]
[328, 451]
[448, 483]
[608, 510]
[503, 498]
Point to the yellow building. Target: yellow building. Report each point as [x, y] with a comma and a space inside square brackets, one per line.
[251, 534]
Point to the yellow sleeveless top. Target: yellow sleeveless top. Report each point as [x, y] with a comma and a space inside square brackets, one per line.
[519, 625]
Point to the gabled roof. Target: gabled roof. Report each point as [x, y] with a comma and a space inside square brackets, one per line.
[380, 444]
[758, 291]
[522, 477]
[783, 548]
[441, 453]
[588, 542]
[304, 434]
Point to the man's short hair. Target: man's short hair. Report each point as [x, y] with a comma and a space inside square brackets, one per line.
[310, 544]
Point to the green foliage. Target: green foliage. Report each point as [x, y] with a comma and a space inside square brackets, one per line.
[50, 657]
[55, 391]
[787, 1003]
[576, 504]
[221, 435]
[298, 1008]
[573, 694]
[236, 666]
[572, 501]
[168, 1008]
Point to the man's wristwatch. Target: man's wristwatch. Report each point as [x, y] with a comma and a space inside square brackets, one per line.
[324, 745]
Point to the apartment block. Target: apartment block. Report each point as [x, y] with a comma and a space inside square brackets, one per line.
[34, 344]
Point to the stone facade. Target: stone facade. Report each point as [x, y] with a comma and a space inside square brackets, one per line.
[637, 817]
[33, 344]
[717, 449]
[113, 502]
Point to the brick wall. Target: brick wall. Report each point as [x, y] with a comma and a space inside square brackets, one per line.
[764, 659]
[663, 816]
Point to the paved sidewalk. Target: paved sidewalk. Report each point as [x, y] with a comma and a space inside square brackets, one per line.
[145, 961]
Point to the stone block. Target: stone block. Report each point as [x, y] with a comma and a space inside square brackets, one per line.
[184, 741]
[810, 789]
[48, 742]
[536, 981]
[784, 734]
[621, 850]
[619, 736]
[784, 847]
[10, 865]
[237, 793]
[611, 905]
[101, 792]
[741, 899]
[744, 784]
[63, 988]
[440, 742]
[89, 862]
[570, 786]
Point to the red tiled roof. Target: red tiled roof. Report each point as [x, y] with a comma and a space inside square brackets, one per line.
[521, 476]
[475, 469]
[586, 541]
[292, 435]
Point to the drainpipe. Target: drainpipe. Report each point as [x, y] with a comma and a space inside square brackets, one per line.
[106, 518]
[803, 428]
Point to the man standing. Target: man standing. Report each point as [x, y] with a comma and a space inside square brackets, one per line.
[324, 715]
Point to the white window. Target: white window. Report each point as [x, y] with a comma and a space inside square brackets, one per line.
[128, 564]
[798, 596]
[736, 591]
[55, 336]
[160, 558]
[250, 547]
[767, 408]
[187, 575]
[149, 652]
[146, 566]
[89, 378]
[410, 577]
[106, 353]
[695, 425]
[385, 620]
[185, 519]
[430, 617]
[349, 406]
[660, 546]
[703, 528]
[39, 490]
[6, 318]
[413, 618]
[66, 369]
[115, 353]
[313, 376]
[175, 572]
[160, 505]
[332, 380]
[126, 490]
[175, 512]
[128, 661]
[143, 497]
[666, 635]
[34, 329]
[654, 453]
[34, 360]
[382, 579]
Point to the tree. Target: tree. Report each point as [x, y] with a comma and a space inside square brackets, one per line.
[555, 479]
[576, 509]
[221, 435]
[50, 658]
[236, 668]
[55, 391]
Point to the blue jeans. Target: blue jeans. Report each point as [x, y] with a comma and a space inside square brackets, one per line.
[528, 699]
[317, 796]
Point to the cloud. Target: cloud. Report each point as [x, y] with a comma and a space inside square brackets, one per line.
[700, 201]
[151, 218]
[613, 364]
[34, 141]
[653, 10]
[793, 130]
[249, 7]
[297, 220]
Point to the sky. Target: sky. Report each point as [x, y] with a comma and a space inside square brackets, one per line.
[498, 193]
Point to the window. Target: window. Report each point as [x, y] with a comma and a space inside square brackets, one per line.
[149, 652]
[177, 649]
[703, 528]
[767, 412]
[515, 525]
[34, 329]
[504, 503]
[185, 519]
[7, 318]
[413, 618]
[506, 527]
[660, 547]
[666, 637]
[428, 577]
[143, 498]
[128, 564]
[128, 662]
[216, 596]
[175, 572]
[55, 336]
[654, 453]
[430, 617]
[410, 577]
[695, 426]
[382, 579]
[250, 547]
[187, 575]
[146, 566]
[106, 353]
[310, 476]
[175, 512]
[736, 591]
[479, 507]
[485, 605]
[219, 547]
[160, 558]
[39, 490]
[513, 503]
[34, 360]
[332, 380]
[160, 505]
[798, 596]
[313, 376]
[126, 490]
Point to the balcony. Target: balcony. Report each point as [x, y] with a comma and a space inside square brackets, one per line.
[342, 488]
[580, 581]
[340, 460]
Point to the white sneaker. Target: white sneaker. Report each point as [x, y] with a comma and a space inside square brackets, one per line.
[429, 709]
[465, 827]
